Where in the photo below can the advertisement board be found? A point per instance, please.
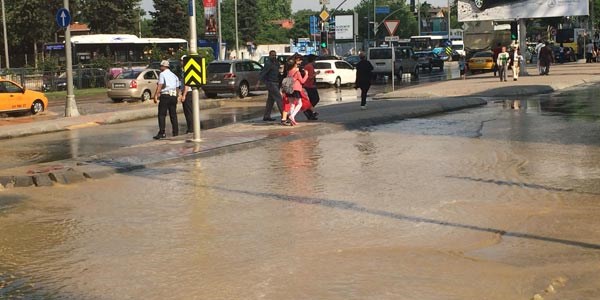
(482, 10)
(210, 18)
(344, 27)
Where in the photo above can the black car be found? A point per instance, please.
(485, 4)
(82, 79)
(429, 60)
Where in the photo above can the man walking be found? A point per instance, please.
(364, 73)
(495, 53)
(311, 87)
(167, 88)
(502, 63)
(546, 58)
(538, 48)
(270, 76)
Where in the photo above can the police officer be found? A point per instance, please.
(168, 89)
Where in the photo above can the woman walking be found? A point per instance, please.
(295, 97)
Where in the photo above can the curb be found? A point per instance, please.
(99, 168)
(64, 123)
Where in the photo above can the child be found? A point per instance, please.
(462, 66)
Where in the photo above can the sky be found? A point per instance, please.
(310, 4)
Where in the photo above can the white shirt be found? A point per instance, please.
(170, 81)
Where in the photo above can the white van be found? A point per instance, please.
(459, 47)
(405, 61)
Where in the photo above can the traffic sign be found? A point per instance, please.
(394, 38)
(324, 15)
(194, 70)
(392, 26)
(63, 18)
(382, 10)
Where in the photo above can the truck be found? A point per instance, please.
(484, 36)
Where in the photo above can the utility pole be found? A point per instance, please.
(71, 105)
(5, 38)
(193, 52)
(220, 39)
(237, 47)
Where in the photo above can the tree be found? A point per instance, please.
(170, 19)
(398, 11)
(247, 20)
(108, 16)
(302, 23)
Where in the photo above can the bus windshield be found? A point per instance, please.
(427, 42)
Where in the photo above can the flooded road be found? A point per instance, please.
(498, 202)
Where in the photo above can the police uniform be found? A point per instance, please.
(169, 83)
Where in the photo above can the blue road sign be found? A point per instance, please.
(382, 10)
(314, 25)
(63, 18)
(190, 8)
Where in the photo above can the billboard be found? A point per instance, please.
(482, 10)
(344, 27)
(210, 18)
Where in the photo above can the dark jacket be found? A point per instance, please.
(364, 73)
(270, 73)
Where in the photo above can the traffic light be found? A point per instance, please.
(323, 39)
(514, 32)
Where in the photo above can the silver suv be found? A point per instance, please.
(404, 59)
(232, 76)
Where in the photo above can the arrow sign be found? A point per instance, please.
(63, 18)
(392, 26)
(194, 70)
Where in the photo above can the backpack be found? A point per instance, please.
(287, 85)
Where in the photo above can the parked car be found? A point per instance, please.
(352, 59)
(404, 61)
(481, 61)
(133, 84)
(15, 98)
(429, 60)
(232, 76)
(82, 79)
(335, 72)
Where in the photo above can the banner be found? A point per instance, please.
(482, 10)
(210, 18)
(344, 27)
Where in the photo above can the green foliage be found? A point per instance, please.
(109, 16)
(170, 19)
(302, 23)
(101, 62)
(50, 64)
(247, 20)
(399, 11)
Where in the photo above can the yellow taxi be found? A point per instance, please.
(15, 98)
(481, 61)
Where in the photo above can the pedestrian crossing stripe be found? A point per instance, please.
(194, 70)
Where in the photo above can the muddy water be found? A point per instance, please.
(469, 205)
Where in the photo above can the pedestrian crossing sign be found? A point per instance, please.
(194, 70)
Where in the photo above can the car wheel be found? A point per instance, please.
(211, 95)
(243, 90)
(399, 74)
(415, 74)
(37, 107)
(116, 100)
(146, 95)
(338, 82)
(479, 3)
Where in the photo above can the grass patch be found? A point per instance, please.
(84, 93)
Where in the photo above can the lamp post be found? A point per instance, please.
(220, 39)
(5, 38)
(237, 47)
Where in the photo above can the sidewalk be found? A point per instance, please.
(409, 102)
(485, 85)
